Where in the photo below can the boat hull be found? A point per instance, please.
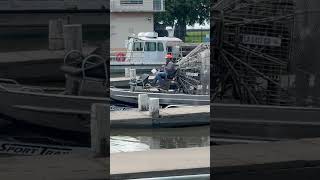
(126, 96)
(63, 112)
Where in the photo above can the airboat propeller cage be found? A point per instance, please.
(193, 74)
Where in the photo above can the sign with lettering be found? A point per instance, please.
(192, 74)
(261, 40)
(35, 149)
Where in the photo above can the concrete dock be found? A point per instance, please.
(294, 160)
(265, 121)
(170, 117)
(153, 163)
(80, 167)
(37, 65)
(158, 163)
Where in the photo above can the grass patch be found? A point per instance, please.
(196, 36)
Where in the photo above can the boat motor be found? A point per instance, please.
(141, 83)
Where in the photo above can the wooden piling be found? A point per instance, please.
(56, 39)
(126, 72)
(133, 74)
(72, 37)
(143, 102)
(205, 72)
(100, 129)
(154, 107)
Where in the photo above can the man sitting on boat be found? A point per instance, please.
(166, 72)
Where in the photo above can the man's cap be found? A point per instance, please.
(169, 56)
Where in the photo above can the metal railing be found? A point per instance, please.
(122, 57)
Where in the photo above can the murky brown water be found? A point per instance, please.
(127, 140)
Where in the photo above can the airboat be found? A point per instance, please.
(189, 86)
(61, 108)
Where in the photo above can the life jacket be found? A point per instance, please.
(120, 57)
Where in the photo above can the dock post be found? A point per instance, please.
(143, 102)
(100, 123)
(126, 72)
(72, 37)
(205, 71)
(133, 74)
(154, 107)
(56, 40)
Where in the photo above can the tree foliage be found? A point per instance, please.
(184, 12)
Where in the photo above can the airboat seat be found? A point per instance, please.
(172, 76)
(169, 81)
(144, 79)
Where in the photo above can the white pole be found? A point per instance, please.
(133, 74)
(143, 102)
(154, 107)
(127, 72)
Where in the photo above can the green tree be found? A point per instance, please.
(184, 12)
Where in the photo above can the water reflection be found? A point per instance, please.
(126, 144)
(124, 140)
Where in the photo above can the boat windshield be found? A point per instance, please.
(150, 46)
(160, 46)
(138, 46)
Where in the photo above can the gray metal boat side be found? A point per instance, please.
(127, 96)
(65, 112)
(86, 83)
